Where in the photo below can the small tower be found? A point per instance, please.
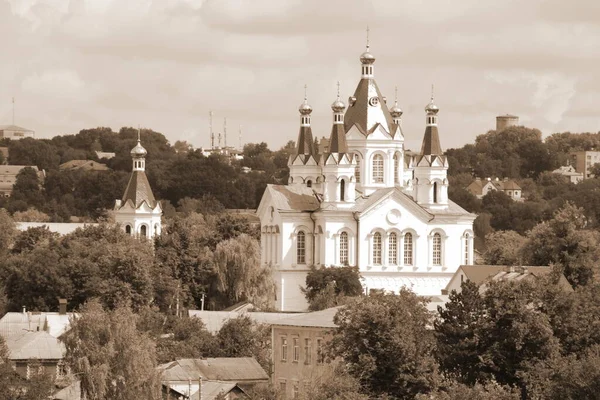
(138, 212)
(431, 166)
(396, 111)
(303, 165)
(338, 164)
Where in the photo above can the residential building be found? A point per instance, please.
(365, 203)
(214, 320)
(36, 349)
(87, 165)
(297, 350)
(570, 172)
(8, 177)
(481, 275)
(480, 188)
(138, 212)
(15, 132)
(583, 161)
(54, 323)
(105, 154)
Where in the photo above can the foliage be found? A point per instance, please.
(31, 215)
(242, 337)
(329, 286)
(8, 231)
(186, 338)
(110, 356)
(385, 342)
(457, 391)
(503, 248)
(333, 382)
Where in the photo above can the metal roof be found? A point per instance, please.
(317, 319)
(214, 320)
(337, 143)
(16, 323)
(305, 145)
(233, 369)
(363, 112)
(211, 389)
(431, 142)
(14, 128)
(35, 345)
(293, 198)
(138, 190)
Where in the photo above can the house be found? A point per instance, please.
(15, 132)
(53, 323)
(105, 154)
(212, 375)
(583, 161)
(8, 177)
(36, 349)
(87, 165)
(481, 275)
(297, 344)
(570, 172)
(480, 188)
(365, 202)
(209, 390)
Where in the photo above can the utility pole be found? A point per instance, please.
(212, 134)
(225, 131)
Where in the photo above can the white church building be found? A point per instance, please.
(365, 203)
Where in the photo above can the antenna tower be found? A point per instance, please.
(225, 131)
(212, 134)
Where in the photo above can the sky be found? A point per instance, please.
(164, 64)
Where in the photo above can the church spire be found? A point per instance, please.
(337, 141)
(367, 59)
(305, 140)
(431, 140)
(396, 111)
(138, 154)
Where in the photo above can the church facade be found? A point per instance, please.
(366, 202)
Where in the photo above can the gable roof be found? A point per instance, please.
(234, 369)
(317, 319)
(16, 323)
(293, 198)
(138, 190)
(13, 128)
(39, 345)
(211, 389)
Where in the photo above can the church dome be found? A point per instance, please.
(138, 150)
(367, 58)
(338, 105)
(396, 111)
(431, 108)
(304, 108)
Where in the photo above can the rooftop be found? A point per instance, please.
(35, 345)
(316, 319)
(214, 320)
(233, 369)
(16, 323)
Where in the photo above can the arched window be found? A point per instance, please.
(437, 249)
(143, 231)
(393, 249)
(467, 252)
(377, 248)
(344, 248)
(377, 168)
(301, 248)
(342, 190)
(357, 168)
(435, 194)
(128, 229)
(408, 249)
(309, 183)
(396, 167)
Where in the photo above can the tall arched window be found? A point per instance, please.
(357, 168)
(437, 249)
(143, 231)
(301, 248)
(342, 190)
(128, 229)
(377, 168)
(408, 249)
(435, 194)
(467, 252)
(344, 248)
(396, 167)
(393, 249)
(377, 248)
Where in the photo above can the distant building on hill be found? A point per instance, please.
(570, 172)
(230, 152)
(8, 177)
(480, 188)
(506, 121)
(87, 165)
(15, 132)
(583, 161)
(105, 154)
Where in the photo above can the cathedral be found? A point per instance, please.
(365, 202)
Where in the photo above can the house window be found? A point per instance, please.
(437, 249)
(344, 248)
(408, 249)
(377, 248)
(393, 249)
(128, 229)
(301, 248)
(467, 237)
(357, 168)
(296, 349)
(320, 355)
(377, 168)
(283, 349)
(282, 386)
(307, 351)
(295, 390)
(396, 167)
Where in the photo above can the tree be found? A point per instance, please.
(27, 188)
(503, 248)
(31, 215)
(8, 231)
(457, 391)
(240, 275)
(333, 383)
(113, 360)
(457, 327)
(328, 286)
(564, 243)
(242, 337)
(188, 339)
(385, 342)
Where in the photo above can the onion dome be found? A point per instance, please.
(396, 111)
(338, 105)
(304, 108)
(138, 150)
(367, 58)
(431, 108)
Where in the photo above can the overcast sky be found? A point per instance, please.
(164, 64)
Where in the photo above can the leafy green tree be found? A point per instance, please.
(240, 275)
(333, 382)
(8, 231)
(186, 338)
(385, 342)
(503, 248)
(34, 152)
(31, 238)
(31, 215)
(242, 337)
(457, 391)
(27, 188)
(457, 329)
(329, 286)
(110, 356)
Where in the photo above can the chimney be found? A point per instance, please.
(24, 310)
(62, 306)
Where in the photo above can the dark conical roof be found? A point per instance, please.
(337, 140)
(367, 108)
(138, 190)
(431, 142)
(305, 145)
